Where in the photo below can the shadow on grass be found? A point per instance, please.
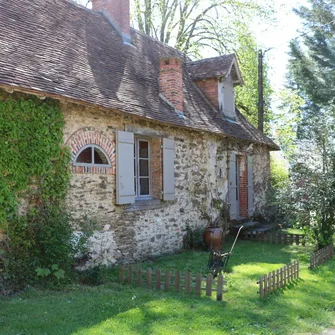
(302, 307)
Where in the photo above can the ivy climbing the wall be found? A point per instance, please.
(37, 237)
(34, 164)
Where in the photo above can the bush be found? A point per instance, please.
(193, 239)
(41, 248)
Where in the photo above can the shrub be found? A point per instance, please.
(41, 247)
(193, 239)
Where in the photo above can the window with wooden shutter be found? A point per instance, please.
(250, 187)
(125, 192)
(233, 186)
(168, 169)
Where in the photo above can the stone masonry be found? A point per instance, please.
(150, 228)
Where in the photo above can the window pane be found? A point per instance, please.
(144, 149)
(99, 157)
(85, 156)
(144, 168)
(144, 186)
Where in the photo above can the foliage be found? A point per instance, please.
(37, 236)
(42, 247)
(287, 119)
(93, 276)
(313, 196)
(193, 238)
(279, 173)
(34, 165)
(306, 307)
(247, 95)
(313, 165)
(190, 25)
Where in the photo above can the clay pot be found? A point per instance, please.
(214, 237)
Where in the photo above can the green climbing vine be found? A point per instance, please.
(34, 164)
(36, 244)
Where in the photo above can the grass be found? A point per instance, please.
(304, 307)
(293, 231)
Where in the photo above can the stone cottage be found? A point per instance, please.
(156, 139)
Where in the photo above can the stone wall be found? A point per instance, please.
(150, 228)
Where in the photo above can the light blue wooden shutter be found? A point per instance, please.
(232, 186)
(125, 191)
(250, 187)
(168, 169)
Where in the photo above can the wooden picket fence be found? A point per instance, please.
(278, 278)
(275, 237)
(321, 256)
(172, 281)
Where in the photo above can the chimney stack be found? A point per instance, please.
(118, 13)
(171, 81)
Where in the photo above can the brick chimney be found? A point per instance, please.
(118, 13)
(171, 81)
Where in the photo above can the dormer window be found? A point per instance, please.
(227, 97)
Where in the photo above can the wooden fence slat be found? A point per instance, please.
(139, 277)
(130, 274)
(261, 287)
(198, 284)
(278, 278)
(321, 256)
(188, 280)
(121, 274)
(220, 288)
(158, 279)
(148, 278)
(177, 281)
(167, 280)
(209, 285)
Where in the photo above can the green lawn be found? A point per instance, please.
(305, 307)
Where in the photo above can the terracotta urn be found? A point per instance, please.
(214, 237)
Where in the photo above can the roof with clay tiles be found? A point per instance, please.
(58, 48)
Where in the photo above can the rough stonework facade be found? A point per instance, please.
(156, 141)
(154, 227)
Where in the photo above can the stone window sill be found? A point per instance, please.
(143, 205)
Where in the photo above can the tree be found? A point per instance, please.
(189, 25)
(312, 76)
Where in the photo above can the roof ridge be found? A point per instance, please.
(211, 58)
(153, 39)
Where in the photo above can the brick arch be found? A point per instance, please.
(86, 136)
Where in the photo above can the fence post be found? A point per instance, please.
(139, 277)
(148, 278)
(158, 279)
(121, 274)
(261, 287)
(130, 274)
(285, 274)
(167, 280)
(209, 284)
(198, 284)
(188, 279)
(178, 281)
(219, 288)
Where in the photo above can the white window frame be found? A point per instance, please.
(137, 167)
(93, 146)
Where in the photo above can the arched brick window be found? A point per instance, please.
(92, 152)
